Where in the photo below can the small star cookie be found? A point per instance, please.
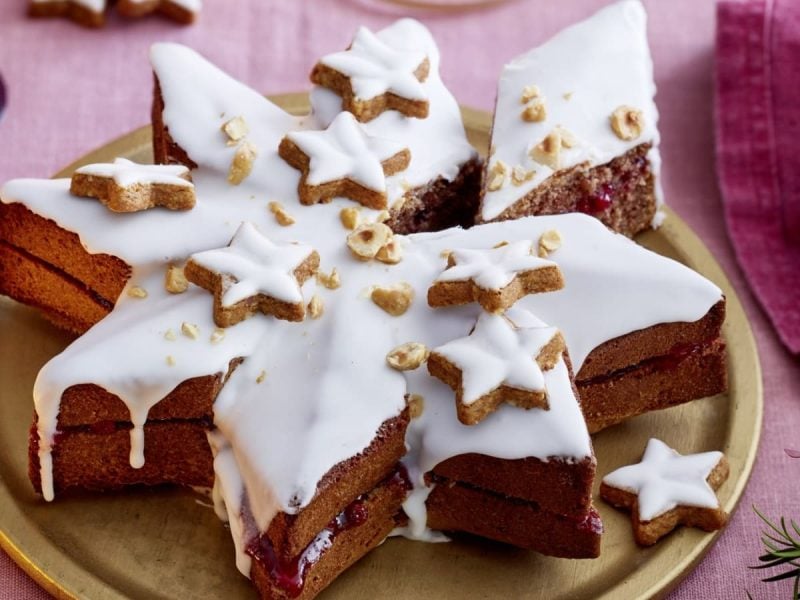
(494, 278)
(89, 13)
(667, 489)
(254, 274)
(182, 11)
(124, 186)
(372, 77)
(497, 362)
(343, 161)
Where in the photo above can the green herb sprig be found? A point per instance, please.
(783, 551)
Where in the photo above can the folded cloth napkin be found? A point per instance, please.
(758, 149)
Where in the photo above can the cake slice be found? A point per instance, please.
(575, 127)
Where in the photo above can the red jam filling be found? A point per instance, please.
(290, 575)
(591, 523)
(598, 201)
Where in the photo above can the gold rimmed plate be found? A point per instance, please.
(167, 543)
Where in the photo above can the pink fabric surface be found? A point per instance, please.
(71, 90)
(758, 131)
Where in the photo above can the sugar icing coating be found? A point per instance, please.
(375, 67)
(583, 73)
(496, 353)
(344, 151)
(665, 479)
(126, 173)
(257, 266)
(493, 268)
(326, 387)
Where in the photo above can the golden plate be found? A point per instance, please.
(167, 543)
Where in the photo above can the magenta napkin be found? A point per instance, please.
(758, 149)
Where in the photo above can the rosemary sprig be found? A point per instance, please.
(783, 550)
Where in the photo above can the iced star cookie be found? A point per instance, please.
(182, 11)
(124, 186)
(372, 76)
(667, 489)
(497, 362)
(254, 274)
(343, 161)
(89, 13)
(495, 278)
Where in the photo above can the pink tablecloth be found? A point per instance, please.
(71, 90)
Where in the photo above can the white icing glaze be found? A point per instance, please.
(493, 268)
(600, 64)
(665, 479)
(256, 265)
(344, 151)
(375, 67)
(126, 173)
(327, 388)
(95, 6)
(497, 353)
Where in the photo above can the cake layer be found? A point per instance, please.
(556, 485)
(440, 204)
(620, 193)
(86, 404)
(288, 534)
(66, 302)
(658, 340)
(44, 239)
(691, 372)
(97, 457)
(455, 506)
(361, 526)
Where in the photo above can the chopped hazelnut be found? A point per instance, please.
(529, 92)
(383, 216)
(390, 253)
(261, 377)
(500, 244)
(316, 307)
(331, 281)
(520, 175)
(416, 405)
(394, 299)
(408, 356)
(137, 292)
(567, 95)
(217, 335)
(175, 281)
(548, 151)
(236, 129)
(171, 360)
(497, 176)
(550, 241)
(281, 216)
(242, 163)
(350, 217)
(169, 335)
(368, 239)
(535, 112)
(627, 123)
(567, 139)
(190, 330)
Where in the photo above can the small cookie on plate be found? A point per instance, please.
(125, 186)
(252, 275)
(89, 13)
(667, 489)
(495, 278)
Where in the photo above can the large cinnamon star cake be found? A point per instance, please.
(303, 314)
